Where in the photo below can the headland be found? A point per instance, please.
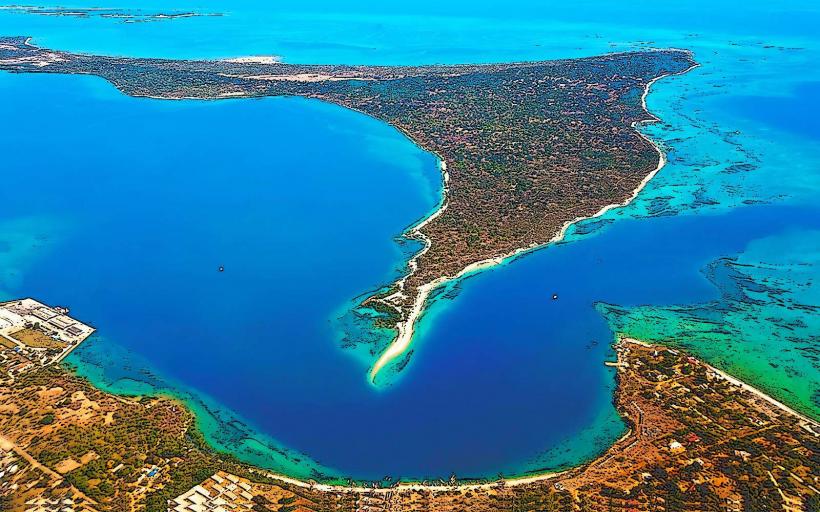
(525, 148)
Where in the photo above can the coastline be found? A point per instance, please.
(415, 486)
(410, 308)
(207, 413)
(406, 328)
(199, 408)
(560, 235)
(732, 380)
(539, 477)
(644, 412)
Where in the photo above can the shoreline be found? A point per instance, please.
(204, 409)
(727, 377)
(361, 486)
(406, 329)
(635, 378)
(500, 259)
(538, 477)
(196, 407)
(414, 485)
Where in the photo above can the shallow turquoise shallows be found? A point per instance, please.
(124, 209)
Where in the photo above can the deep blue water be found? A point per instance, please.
(124, 209)
(796, 111)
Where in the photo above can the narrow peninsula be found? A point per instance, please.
(525, 148)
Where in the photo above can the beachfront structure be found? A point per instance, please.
(41, 333)
(222, 492)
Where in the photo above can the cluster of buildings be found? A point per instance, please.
(222, 492)
(36, 490)
(40, 334)
(9, 466)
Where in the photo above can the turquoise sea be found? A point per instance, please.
(123, 209)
